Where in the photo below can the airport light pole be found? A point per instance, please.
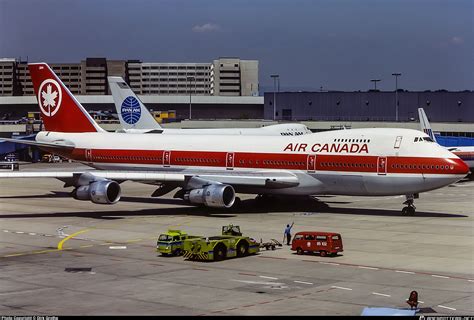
(375, 82)
(190, 90)
(396, 94)
(275, 77)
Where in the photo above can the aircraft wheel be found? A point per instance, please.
(322, 253)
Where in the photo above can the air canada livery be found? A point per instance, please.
(135, 118)
(209, 170)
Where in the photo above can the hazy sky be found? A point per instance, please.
(339, 45)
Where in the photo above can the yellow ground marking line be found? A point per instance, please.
(61, 243)
(14, 255)
(61, 246)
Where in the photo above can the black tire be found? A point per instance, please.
(242, 248)
(220, 252)
(408, 211)
(322, 253)
(299, 251)
(177, 252)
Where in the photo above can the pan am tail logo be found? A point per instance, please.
(131, 110)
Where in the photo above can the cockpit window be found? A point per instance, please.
(420, 139)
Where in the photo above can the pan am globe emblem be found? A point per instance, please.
(131, 110)
(49, 97)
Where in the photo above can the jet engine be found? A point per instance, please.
(101, 191)
(213, 195)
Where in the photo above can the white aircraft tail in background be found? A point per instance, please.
(425, 124)
(136, 118)
(131, 111)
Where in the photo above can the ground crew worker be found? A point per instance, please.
(288, 233)
(413, 300)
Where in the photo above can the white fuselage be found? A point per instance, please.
(351, 162)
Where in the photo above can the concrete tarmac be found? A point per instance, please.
(61, 256)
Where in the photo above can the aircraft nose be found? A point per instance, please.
(460, 167)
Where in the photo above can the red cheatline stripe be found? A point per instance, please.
(324, 162)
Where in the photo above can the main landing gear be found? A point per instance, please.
(409, 210)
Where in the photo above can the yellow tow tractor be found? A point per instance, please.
(230, 244)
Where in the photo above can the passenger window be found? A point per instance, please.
(335, 237)
(321, 237)
(298, 237)
(309, 237)
(176, 238)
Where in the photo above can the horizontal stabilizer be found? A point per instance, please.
(60, 144)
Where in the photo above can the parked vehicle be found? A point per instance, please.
(11, 157)
(326, 243)
(228, 245)
(51, 158)
(172, 242)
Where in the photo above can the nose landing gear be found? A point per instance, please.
(409, 210)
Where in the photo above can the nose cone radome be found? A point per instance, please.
(460, 167)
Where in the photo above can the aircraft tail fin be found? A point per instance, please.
(425, 124)
(131, 111)
(60, 110)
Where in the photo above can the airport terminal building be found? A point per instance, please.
(221, 77)
(441, 105)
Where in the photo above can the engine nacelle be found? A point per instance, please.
(102, 192)
(214, 195)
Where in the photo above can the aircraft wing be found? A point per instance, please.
(60, 144)
(274, 180)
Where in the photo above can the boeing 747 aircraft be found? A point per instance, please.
(210, 170)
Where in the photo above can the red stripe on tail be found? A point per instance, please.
(60, 111)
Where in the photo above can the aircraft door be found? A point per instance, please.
(311, 163)
(398, 142)
(88, 155)
(230, 161)
(166, 158)
(382, 165)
